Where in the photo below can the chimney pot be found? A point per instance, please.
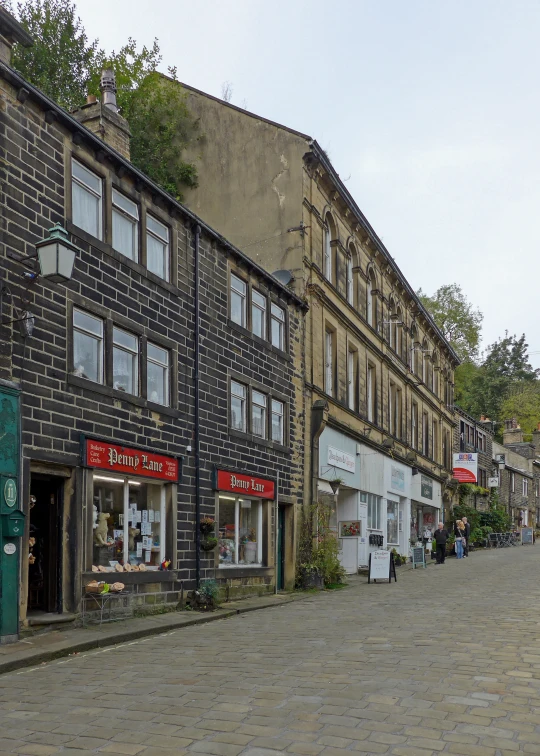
(91, 99)
(108, 89)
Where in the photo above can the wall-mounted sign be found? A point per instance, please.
(397, 479)
(9, 548)
(426, 487)
(466, 467)
(350, 529)
(123, 459)
(493, 482)
(246, 485)
(10, 492)
(338, 458)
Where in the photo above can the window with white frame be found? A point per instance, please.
(136, 521)
(512, 482)
(240, 531)
(525, 487)
(350, 281)
(157, 248)
(238, 406)
(329, 362)
(352, 379)
(258, 413)
(258, 314)
(238, 300)
(374, 512)
(278, 421)
(125, 361)
(125, 226)
(86, 200)
(87, 346)
(371, 393)
(277, 326)
(392, 519)
(157, 374)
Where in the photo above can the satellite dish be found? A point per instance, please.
(283, 276)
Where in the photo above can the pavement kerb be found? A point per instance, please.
(112, 634)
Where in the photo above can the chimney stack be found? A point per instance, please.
(11, 32)
(536, 439)
(103, 118)
(512, 432)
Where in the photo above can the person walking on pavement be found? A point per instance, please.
(441, 537)
(467, 535)
(459, 532)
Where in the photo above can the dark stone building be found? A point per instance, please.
(119, 392)
(475, 437)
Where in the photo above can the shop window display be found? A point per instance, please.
(240, 531)
(129, 522)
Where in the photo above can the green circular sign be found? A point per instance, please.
(10, 492)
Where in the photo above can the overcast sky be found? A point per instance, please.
(429, 110)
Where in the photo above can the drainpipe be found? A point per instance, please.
(197, 233)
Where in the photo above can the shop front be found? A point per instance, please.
(129, 523)
(247, 516)
(398, 481)
(426, 509)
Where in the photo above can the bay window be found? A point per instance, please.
(125, 225)
(87, 346)
(86, 200)
(240, 535)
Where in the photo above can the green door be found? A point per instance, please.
(10, 502)
(281, 549)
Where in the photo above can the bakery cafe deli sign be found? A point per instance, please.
(124, 459)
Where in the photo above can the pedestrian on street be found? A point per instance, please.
(441, 537)
(467, 536)
(459, 532)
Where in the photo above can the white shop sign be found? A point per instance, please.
(338, 458)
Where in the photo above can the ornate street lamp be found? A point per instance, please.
(56, 255)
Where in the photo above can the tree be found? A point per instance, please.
(62, 58)
(67, 66)
(455, 316)
(523, 403)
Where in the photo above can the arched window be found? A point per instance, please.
(352, 263)
(425, 362)
(328, 252)
(399, 333)
(372, 299)
(415, 361)
(435, 374)
(392, 329)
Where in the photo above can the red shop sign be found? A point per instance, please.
(123, 459)
(238, 483)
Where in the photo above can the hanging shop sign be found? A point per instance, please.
(397, 479)
(426, 487)
(466, 467)
(124, 459)
(246, 485)
(493, 482)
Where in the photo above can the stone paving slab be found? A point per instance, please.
(444, 661)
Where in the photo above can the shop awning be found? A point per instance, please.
(323, 486)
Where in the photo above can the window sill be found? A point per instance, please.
(258, 441)
(138, 401)
(243, 570)
(108, 250)
(131, 578)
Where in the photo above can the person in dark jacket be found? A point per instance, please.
(441, 537)
(467, 534)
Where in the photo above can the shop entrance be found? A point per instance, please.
(281, 549)
(45, 547)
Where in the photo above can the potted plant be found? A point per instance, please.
(335, 484)
(207, 525)
(210, 543)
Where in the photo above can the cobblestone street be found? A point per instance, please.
(446, 660)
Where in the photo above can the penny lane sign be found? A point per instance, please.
(241, 484)
(124, 459)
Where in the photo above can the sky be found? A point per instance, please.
(429, 110)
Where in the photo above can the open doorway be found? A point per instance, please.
(44, 569)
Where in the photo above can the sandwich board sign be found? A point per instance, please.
(418, 557)
(527, 535)
(381, 566)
